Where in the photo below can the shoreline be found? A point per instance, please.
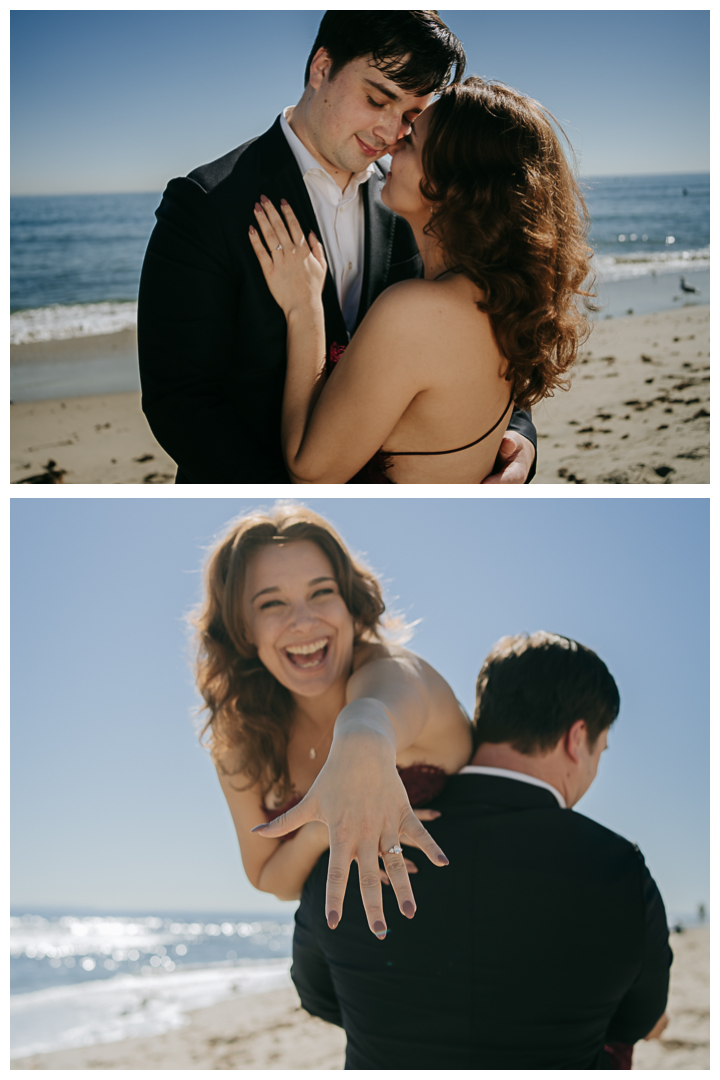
(638, 411)
(271, 1031)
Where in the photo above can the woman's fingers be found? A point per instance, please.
(277, 223)
(267, 229)
(427, 815)
(338, 870)
(285, 230)
(413, 833)
(261, 251)
(397, 871)
(287, 822)
(409, 866)
(293, 225)
(369, 875)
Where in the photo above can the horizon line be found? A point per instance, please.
(154, 191)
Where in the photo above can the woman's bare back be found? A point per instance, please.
(465, 394)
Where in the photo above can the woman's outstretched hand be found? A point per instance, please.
(294, 267)
(360, 797)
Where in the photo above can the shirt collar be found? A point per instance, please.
(307, 162)
(510, 774)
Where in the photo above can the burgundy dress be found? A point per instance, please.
(376, 469)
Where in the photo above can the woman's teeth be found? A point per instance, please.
(308, 656)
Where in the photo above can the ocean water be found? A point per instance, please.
(649, 224)
(77, 979)
(647, 233)
(76, 261)
(78, 249)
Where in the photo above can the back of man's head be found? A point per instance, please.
(533, 687)
(413, 48)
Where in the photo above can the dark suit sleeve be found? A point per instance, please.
(310, 971)
(646, 1000)
(187, 314)
(521, 421)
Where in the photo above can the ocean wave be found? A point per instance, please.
(131, 1005)
(617, 267)
(60, 322)
(119, 937)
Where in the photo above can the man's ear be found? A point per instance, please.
(576, 741)
(320, 68)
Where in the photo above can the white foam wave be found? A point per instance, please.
(59, 322)
(127, 1006)
(642, 264)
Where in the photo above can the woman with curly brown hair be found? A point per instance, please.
(423, 392)
(316, 722)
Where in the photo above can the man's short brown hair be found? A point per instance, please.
(533, 687)
(413, 48)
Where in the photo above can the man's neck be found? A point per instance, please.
(547, 767)
(296, 119)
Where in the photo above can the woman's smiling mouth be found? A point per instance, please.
(308, 656)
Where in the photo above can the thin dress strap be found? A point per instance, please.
(431, 453)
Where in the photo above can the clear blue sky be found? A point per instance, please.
(116, 807)
(111, 101)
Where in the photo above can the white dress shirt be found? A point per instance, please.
(510, 774)
(341, 217)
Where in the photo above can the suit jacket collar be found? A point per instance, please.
(379, 232)
(281, 175)
(496, 791)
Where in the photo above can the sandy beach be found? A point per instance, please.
(271, 1031)
(637, 412)
(89, 440)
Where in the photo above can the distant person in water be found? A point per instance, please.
(544, 945)
(212, 340)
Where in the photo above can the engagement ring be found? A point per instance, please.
(397, 850)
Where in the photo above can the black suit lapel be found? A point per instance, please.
(379, 232)
(283, 180)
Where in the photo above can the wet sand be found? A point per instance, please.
(271, 1031)
(96, 364)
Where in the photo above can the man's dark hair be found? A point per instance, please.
(413, 48)
(533, 687)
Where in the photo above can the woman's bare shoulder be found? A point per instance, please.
(368, 651)
(409, 297)
(417, 315)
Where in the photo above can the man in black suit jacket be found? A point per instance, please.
(544, 943)
(211, 339)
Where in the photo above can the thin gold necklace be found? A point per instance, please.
(313, 752)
